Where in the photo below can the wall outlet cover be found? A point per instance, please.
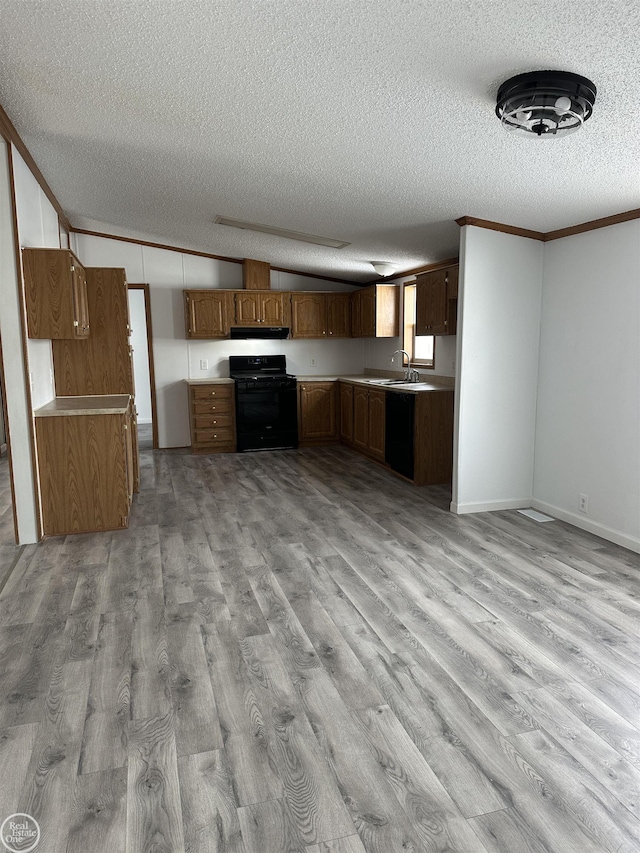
(204, 364)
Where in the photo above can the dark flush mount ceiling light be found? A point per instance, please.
(545, 103)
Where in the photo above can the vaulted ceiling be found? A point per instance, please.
(367, 122)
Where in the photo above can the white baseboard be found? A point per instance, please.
(608, 533)
(489, 506)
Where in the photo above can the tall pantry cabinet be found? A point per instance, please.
(102, 363)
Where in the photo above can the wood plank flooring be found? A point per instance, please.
(298, 651)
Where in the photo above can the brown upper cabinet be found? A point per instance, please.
(102, 364)
(55, 293)
(320, 315)
(437, 302)
(209, 313)
(256, 275)
(258, 307)
(374, 311)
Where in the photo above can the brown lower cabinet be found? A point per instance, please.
(368, 421)
(317, 413)
(363, 427)
(86, 463)
(346, 412)
(212, 417)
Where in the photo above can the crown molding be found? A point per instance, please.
(499, 226)
(616, 219)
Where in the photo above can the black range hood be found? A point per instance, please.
(262, 333)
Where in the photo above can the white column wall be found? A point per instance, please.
(588, 423)
(168, 273)
(497, 358)
(18, 411)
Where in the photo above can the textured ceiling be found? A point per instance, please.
(370, 122)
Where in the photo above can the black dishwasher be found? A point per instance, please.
(398, 448)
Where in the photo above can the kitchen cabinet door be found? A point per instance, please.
(247, 308)
(361, 417)
(338, 315)
(272, 310)
(208, 313)
(55, 294)
(317, 411)
(375, 312)
(308, 315)
(100, 364)
(254, 308)
(436, 302)
(346, 412)
(376, 424)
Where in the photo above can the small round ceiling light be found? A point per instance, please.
(383, 268)
(545, 103)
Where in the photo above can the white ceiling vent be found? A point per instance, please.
(281, 232)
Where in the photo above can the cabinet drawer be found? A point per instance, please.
(213, 421)
(212, 392)
(213, 436)
(205, 407)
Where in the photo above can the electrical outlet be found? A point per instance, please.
(392, 360)
(583, 504)
(204, 364)
(313, 361)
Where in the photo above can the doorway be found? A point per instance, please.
(143, 371)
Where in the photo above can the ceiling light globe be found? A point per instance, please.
(382, 268)
(563, 104)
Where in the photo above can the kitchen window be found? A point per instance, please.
(421, 348)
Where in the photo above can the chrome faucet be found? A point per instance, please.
(410, 374)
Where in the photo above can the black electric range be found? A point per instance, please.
(266, 402)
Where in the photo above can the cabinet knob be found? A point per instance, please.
(324, 333)
(215, 435)
(213, 393)
(215, 422)
(76, 323)
(213, 408)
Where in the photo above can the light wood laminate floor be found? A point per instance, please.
(298, 651)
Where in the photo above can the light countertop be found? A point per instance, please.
(371, 381)
(110, 404)
(214, 380)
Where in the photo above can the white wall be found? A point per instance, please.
(18, 410)
(588, 423)
(497, 356)
(175, 358)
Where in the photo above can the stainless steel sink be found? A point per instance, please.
(388, 381)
